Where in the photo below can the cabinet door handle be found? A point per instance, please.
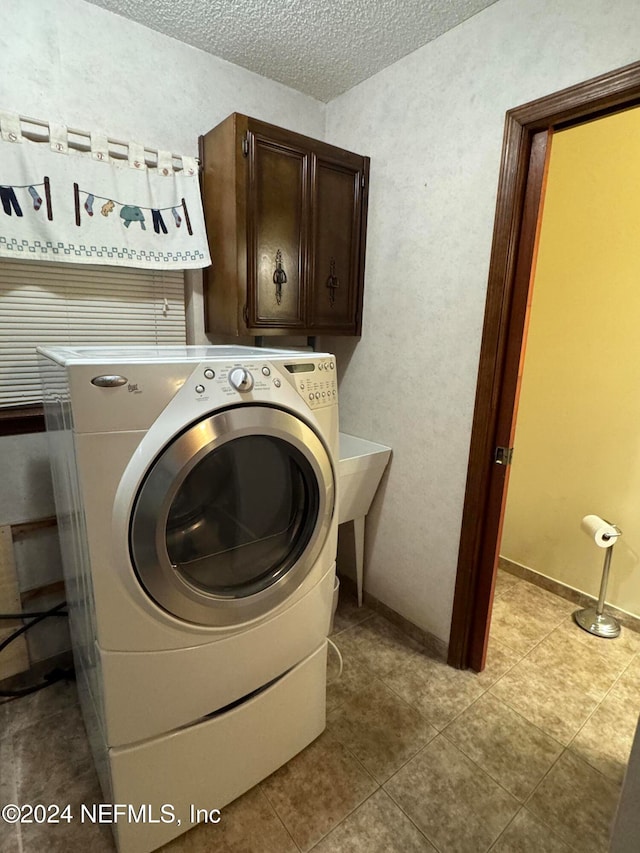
(333, 282)
(279, 277)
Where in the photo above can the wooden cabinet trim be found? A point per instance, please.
(255, 170)
(323, 149)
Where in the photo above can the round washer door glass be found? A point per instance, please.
(232, 514)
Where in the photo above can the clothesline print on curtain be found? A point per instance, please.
(99, 212)
(130, 212)
(11, 205)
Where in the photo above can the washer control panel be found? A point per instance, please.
(314, 379)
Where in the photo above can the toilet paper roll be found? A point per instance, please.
(604, 534)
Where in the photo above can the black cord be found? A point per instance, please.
(50, 678)
(25, 615)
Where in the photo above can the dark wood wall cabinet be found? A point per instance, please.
(286, 218)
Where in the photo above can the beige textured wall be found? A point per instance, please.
(578, 429)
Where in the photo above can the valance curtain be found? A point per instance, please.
(124, 229)
(59, 204)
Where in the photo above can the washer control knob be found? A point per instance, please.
(200, 389)
(241, 379)
(209, 374)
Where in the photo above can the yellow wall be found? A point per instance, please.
(577, 444)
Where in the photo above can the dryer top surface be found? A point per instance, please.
(167, 354)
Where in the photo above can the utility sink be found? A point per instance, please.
(361, 467)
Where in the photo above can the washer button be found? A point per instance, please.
(209, 374)
(266, 371)
(311, 396)
(277, 383)
(200, 389)
(331, 365)
(317, 395)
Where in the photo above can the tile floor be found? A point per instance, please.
(416, 757)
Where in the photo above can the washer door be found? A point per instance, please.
(232, 515)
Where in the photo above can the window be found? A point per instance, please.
(61, 304)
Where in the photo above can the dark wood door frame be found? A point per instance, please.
(520, 190)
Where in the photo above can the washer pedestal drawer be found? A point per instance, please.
(211, 763)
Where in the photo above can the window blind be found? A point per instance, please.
(60, 304)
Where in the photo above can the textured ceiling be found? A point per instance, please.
(320, 47)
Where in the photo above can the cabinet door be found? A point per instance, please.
(335, 292)
(277, 202)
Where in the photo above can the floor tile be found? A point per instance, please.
(526, 834)
(378, 645)
(377, 826)
(9, 833)
(47, 765)
(524, 615)
(577, 803)
(436, 690)
(380, 729)
(605, 740)
(500, 659)
(628, 684)
(9, 839)
(348, 613)
(457, 806)
(351, 682)
(75, 836)
(248, 825)
(618, 650)
(541, 598)
(27, 710)
(583, 666)
(504, 581)
(542, 697)
(511, 750)
(317, 789)
(558, 685)
(8, 788)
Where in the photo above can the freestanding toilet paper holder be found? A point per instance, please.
(594, 619)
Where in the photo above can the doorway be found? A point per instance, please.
(520, 190)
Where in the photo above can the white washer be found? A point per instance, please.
(196, 496)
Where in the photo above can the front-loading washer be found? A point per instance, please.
(196, 496)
